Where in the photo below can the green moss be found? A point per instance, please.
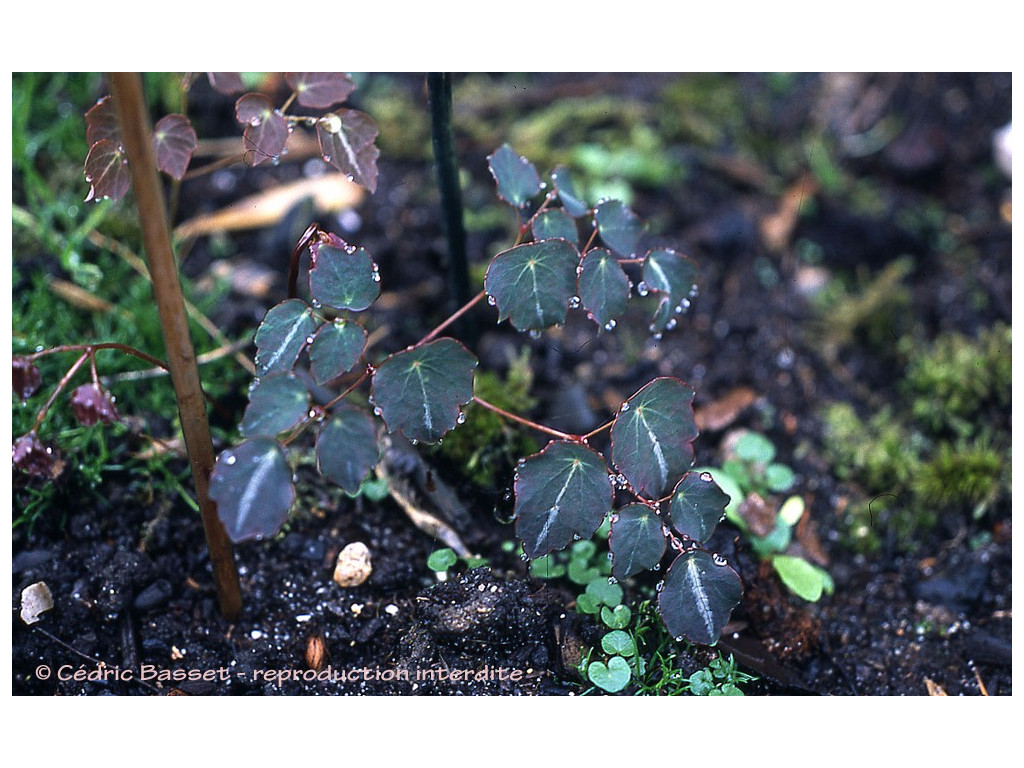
(955, 378)
(943, 447)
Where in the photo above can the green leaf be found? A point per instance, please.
(421, 390)
(604, 592)
(347, 449)
(556, 223)
(561, 492)
(792, 510)
(277, 404)
(603, 287)
(697, 597)
(581, 572)
(515, 176)
(342, 278)
(779, 478)
(546, 568)
(441, 560)
(611, 677)
(802, 578)
(671, 274)
(573, 204)
(652, 436)
(252, 486)
(637, 541)
(335, 350)
(282, 335)
(731, 488)
(617, 617)
(619, 227)
(533, 283)
(755, 448)
(588, 604)
(697, 505)
(618, 642)
(667, 271)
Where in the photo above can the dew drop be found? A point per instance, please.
(621, 480)
(657, 567)
(534, 333)
(693, 291)
(255, 121)
(610, 325)
(461, 418)
(719, 560)
(574, 302)
(624, 407)
(671, 324)
(327, 158)
(613, 480)
(312, 413)
(309, 339)
(377, 411)
(524, 557)
(575, 537)
(376, 277)
(658, 337)
(316, 304)
(350, 177)
(679, 638)
(642, 288)
(370, 399)
(660, 586)
(612, 580)
(414, 441)
(492, 301)
(706, 477)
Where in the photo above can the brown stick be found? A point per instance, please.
(137, 138)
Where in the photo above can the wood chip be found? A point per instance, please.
(330, 192)
(777, 228)
(758, 514)
(353, 566)
(934, 689)
(77, 296)
(720, 413)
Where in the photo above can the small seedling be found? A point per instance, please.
(441, 561)
(749, 477)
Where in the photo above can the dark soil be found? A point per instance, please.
(132, 586)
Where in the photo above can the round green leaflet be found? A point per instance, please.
(561, 492)
(611, 677)
(603, 287)
(344, 279)
(421, 390)
(336, 349)
(278, 403)
(670, 272)
(556, 223)
(637, 541)
(346, 448)
(252, 486)
(698, 505)
(698, 596)
(282, 335)
(619, 227)
(515, 176)
(533, 283)
(652, 436)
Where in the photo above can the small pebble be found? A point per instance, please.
(353, 566)
(35, 599)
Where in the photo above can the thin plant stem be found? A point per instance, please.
(458, 313)
(525, 422)
(136, 132)
(59, 388)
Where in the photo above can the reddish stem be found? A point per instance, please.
(349, 390)
(458, 313)
(60, 388)
(96, 347)
(597, 431)
(526, 422)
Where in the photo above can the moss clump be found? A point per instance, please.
(943, 448)
(486, 445)
(957, 377)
